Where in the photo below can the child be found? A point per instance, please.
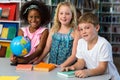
(93, 52)
(37, 15)
(63, 37)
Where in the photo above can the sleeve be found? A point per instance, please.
(106, 52)
(79, 50)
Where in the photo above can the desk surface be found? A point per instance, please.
(7, 70)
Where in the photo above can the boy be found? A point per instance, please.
(93, 52)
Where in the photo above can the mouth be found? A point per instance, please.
(85, 35)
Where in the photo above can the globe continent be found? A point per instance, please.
(20, 46)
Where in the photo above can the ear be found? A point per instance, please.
(97, 27)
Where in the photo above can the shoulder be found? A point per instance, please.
(51, 32)
(103, 42)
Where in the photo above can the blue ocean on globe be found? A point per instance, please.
(20, 46)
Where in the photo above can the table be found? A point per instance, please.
(7, 70)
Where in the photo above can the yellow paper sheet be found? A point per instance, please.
(9, 77)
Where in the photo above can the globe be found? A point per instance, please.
(20, 46)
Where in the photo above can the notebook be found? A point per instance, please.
(27, 67)
(67, 73)
(44, 67)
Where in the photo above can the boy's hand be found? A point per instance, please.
(82, 73)
(67, 68)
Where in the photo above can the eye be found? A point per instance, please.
(80, 29)
(87, 27)
(60, 13)
(30, 16)
(37, 16)
(67, 13)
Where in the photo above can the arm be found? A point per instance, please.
(46, 49)
(92, 72)
(80, 64)
(41, 45)
(39, 49)
(72, 58)
(13, 58)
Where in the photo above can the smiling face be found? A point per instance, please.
(64, 15)
(88, 31)
(34, 18)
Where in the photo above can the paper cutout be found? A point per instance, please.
(9, 77)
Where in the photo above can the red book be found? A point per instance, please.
(24, 67)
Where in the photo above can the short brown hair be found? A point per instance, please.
(89, 18)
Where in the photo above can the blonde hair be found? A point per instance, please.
(56, 25)
(89, 18)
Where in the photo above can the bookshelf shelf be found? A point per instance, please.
(9, 22)
(109, 17)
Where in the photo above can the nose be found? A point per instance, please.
(33, 19)
(64, 15)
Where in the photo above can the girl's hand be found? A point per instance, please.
(22, 60)
(82, 73)
(33, 61)
(67, 68)
(36, 61)
(13, 59)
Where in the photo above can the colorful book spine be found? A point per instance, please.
(1, 26)
(4, 33)
(11, 32)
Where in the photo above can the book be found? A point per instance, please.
(4, 33)
(42, 66)
(5, 13)
(27, 67)
(2, 51)
(9, 11)
(8, 52)
(1, 26)
(11, 32)
(0, 12)
(67, 73)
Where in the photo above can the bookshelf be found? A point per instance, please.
(109, 16)
(82, 5)
(9, 24)
(12, 17)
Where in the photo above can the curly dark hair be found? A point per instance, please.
(42, 8)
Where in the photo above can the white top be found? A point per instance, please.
(102, 51)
